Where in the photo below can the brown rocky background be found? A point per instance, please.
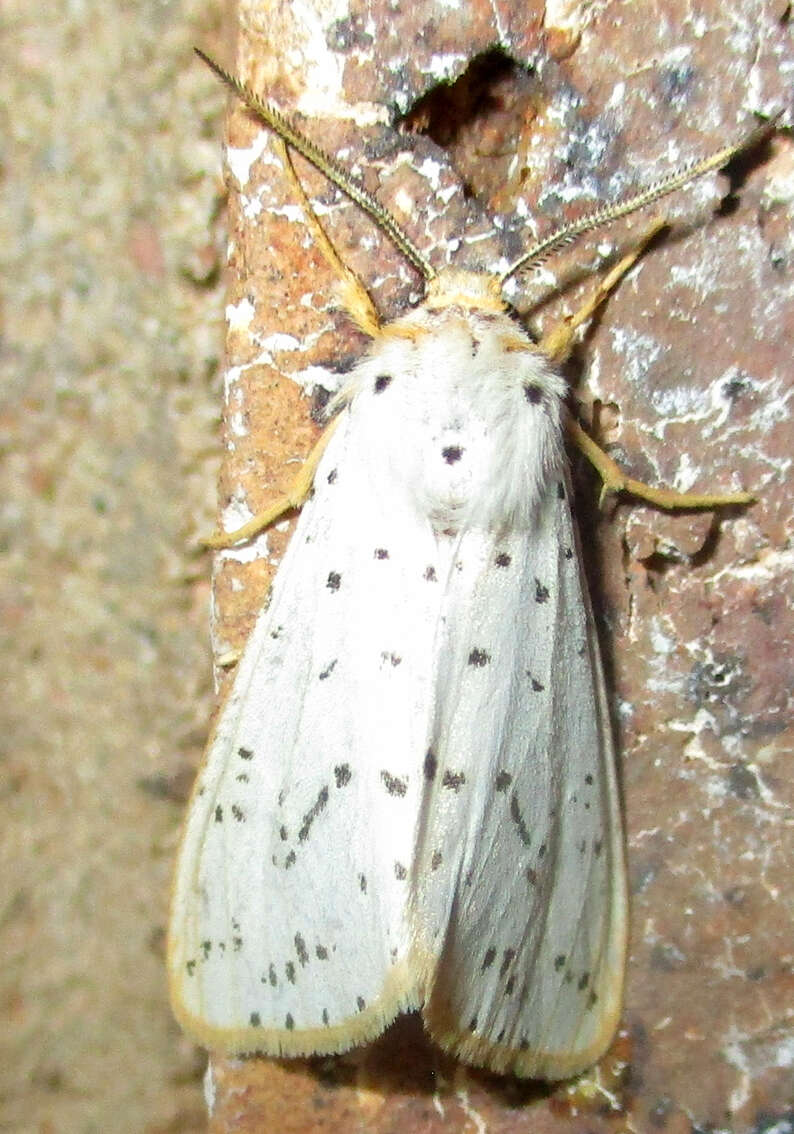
(113, 248)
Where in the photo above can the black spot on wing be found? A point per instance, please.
(393, 784)
(541, 592)
(503, 559)
(508, 957)
(400, 873)
(301, 951)
(238, 813)
(255, 1020)
(488, 959)
(503, 781)
(478, 657)
(316, 809)
(245, 753)
(334, 581)
(453, 780)
(289, 969)
(289, 1023)
(321, 952)
(381, 553)
(342, 775)
(218, 814)
(381, 382)
(436, 860)
(331, 478)
(518, 820)
(430, 765)
(430, 574)
(329, 669)
(361, 1003)
(561, 490)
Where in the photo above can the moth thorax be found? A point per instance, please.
(485, 414)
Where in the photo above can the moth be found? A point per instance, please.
(409, 800)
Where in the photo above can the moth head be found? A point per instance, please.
(472, 290)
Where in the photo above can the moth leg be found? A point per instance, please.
(557, 344)
(615, 480)
(355, 297)
(293, 499)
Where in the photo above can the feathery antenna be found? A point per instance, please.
(550, 244)
(326, 165)
(542, 249)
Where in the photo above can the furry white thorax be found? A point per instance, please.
(460, 407)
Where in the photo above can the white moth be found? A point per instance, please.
(410, 799)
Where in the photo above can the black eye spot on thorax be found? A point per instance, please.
(533, 393)
(452, 454)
